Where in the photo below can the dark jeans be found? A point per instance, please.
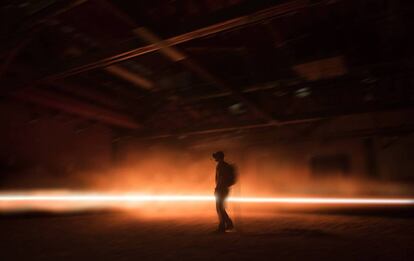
(224, 219)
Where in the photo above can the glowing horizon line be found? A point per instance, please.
(199, 198)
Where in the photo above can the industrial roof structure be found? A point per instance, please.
(165, 68)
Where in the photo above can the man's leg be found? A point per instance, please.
(220, 211)
(226, 219)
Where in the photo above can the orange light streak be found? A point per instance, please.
(113, 198)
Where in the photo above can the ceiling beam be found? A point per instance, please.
(130, 76)
(176, 55)
(55, 101)
(31, 27)
(228, 129)
(289, 7)
(326, 115)
(249, 89)
(89, 93)
(363, 133)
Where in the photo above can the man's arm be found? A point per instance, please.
(219, 178)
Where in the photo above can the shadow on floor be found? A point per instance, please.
(50, 214)
(293, 232)
(406, 212)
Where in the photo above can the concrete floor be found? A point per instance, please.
(332, 235)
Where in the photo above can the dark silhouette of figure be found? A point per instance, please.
(223, 171)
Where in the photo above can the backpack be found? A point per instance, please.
(231, 175)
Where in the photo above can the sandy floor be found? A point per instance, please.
(271, 236)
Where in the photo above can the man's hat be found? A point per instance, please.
(218, 155)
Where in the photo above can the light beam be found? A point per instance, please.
(103, 197)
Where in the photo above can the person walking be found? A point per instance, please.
(225, 178)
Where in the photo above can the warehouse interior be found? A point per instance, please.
(309, 98)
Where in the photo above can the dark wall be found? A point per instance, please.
(35, 141)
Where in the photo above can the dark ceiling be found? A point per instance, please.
(160, 68)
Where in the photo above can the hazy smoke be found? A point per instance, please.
(277, 171)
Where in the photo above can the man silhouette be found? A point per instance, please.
(223, 174)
